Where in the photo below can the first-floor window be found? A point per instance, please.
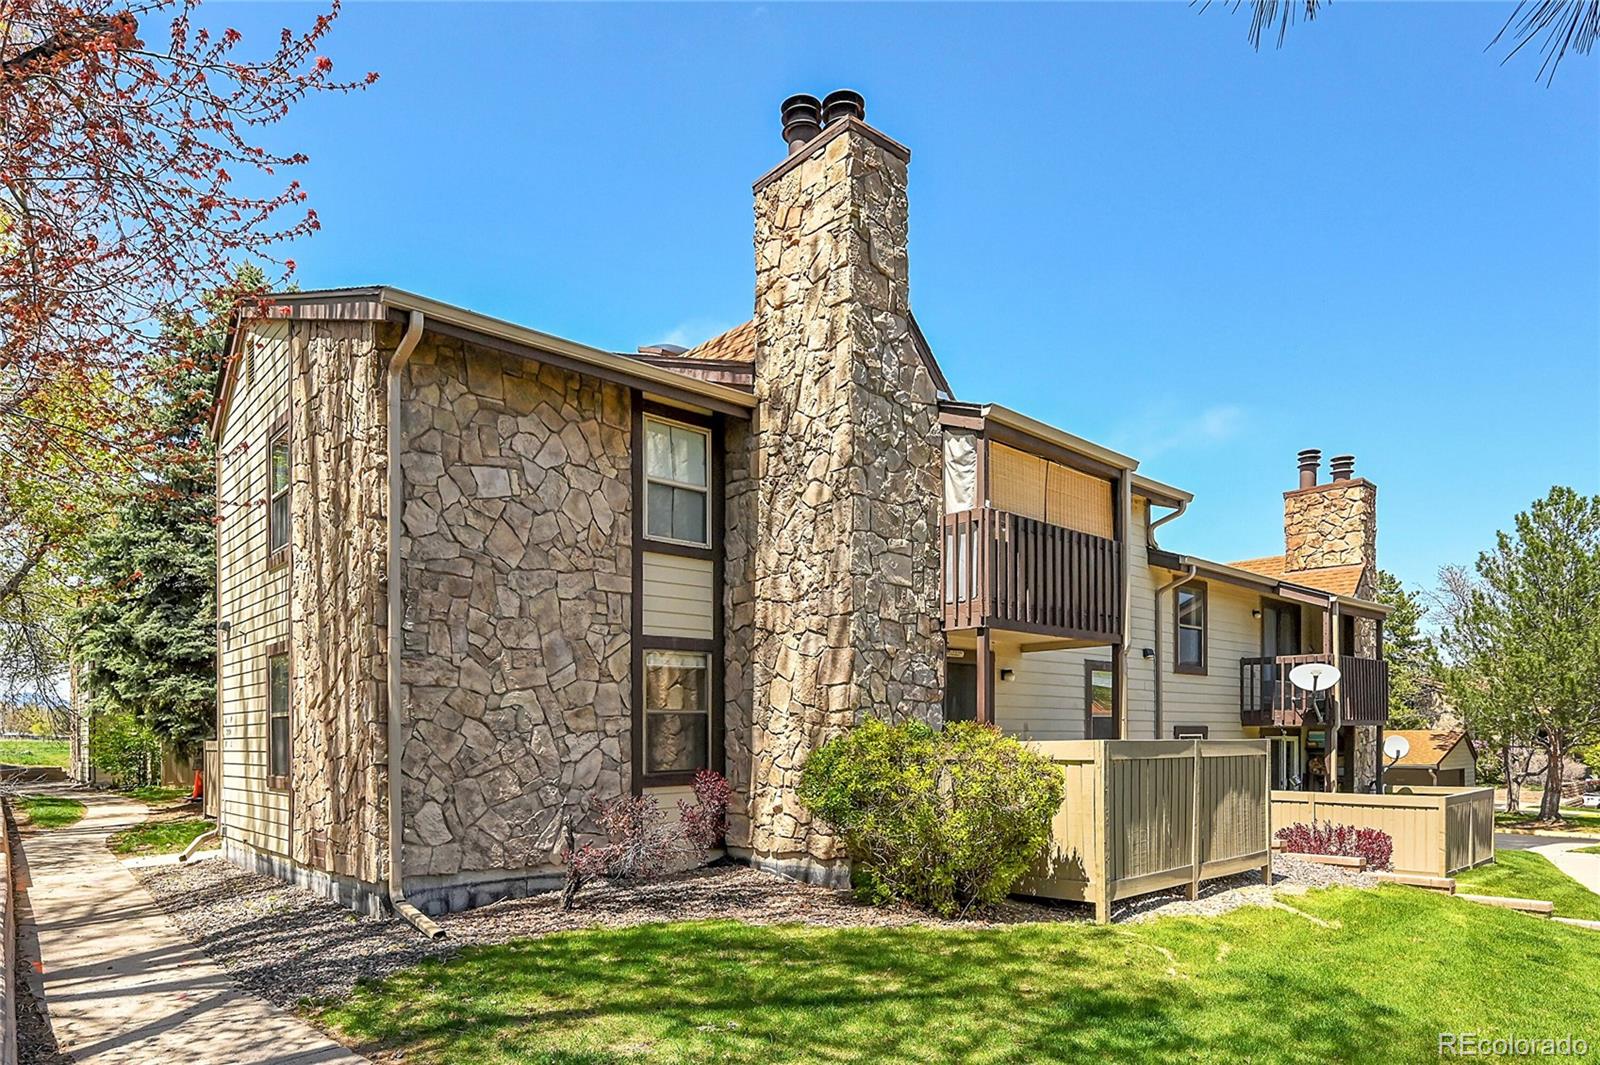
(278, 718)
(677, 711)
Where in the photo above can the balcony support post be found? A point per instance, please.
(985, 678)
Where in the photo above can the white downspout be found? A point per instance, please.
(1188, 575)
(395, 730)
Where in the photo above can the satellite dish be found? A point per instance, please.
(1395, 747)
(1314, 676)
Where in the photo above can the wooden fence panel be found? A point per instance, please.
(1144, 815)
(211, 779)
(1436, 831)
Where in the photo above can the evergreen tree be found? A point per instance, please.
(147, 634)
(1524, 637)
(1413, 659)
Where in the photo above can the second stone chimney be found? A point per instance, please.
(845, 541)
(1331, 524)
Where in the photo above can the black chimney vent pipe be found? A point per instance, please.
(843, 103)
(802, 120)
(1343, 467)
(1310, 460)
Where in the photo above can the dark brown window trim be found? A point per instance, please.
(1090, 668)
(279, 430)
(1191, 732)
(709, 427)
(278, 782)
(1178, 666)
(641, 642)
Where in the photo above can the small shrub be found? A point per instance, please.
(638, 845)
(942, 819)
(705, 822)
(1373, 844)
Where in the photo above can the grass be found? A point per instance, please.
(1525, 875)
(1373, 978)
(1582, 821)
(158, 837)
(50, 811)
(153, 794)
(1595, 849)
(35, 752)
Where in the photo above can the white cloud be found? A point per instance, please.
(1169, 428)
(692, 331)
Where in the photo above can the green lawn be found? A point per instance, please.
(35, 752)
(151, 793)
(1525, 875)
(1576, 819)
(49, 811)
(158, 837)
(1587, 850)
(1375, 978)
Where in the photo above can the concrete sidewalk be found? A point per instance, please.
(122, 985)
(1584, 868)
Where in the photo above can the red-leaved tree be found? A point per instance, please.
(131, 187)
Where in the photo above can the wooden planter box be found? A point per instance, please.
(1436, 831)
(1145, 815)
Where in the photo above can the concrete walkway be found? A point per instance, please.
(1584, 868)
(122, 985)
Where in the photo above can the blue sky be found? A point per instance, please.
(1123, 220)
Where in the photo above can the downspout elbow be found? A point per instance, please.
(1150, 530)
(394, 727)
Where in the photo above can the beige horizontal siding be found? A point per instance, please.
(678, 598)
(251, 600)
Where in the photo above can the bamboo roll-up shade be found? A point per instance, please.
(1037, 488)
(1079, 501)
(1016, 481)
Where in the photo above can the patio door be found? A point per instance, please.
(1099, 701)
(961, 691)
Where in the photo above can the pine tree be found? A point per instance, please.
(1413, 659)
(147, 635)
(1524, 637)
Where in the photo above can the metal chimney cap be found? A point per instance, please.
(802, 119)
(844, 103)
(1343, 467)
(1310, 459)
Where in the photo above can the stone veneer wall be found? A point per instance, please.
(1333, 524)
(738, 614)
(336, 602)
(846, 562)
(518, 597)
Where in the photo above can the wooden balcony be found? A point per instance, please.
(1002, 570)
(1268, 698)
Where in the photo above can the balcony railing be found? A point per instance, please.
(1268, 698)
(1008, 571)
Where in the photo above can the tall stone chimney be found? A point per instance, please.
(1330, 524)
(845, 545)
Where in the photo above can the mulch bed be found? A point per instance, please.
(289, 946)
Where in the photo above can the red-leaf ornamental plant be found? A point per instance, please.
(132, 184)
(1373, 844)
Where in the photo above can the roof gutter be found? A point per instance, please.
(396, 635)
(1150, 530)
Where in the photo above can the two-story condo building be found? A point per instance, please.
(474, 577)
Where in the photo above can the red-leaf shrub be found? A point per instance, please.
(639, 846)
(705, 822)
(1375, 845)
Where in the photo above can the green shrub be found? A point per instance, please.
(942, 819)
(124, 748)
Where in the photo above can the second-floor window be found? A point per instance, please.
(278, 493)
(1190, 625)
(677, 505)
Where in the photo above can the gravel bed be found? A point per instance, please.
(279, 941)
(288, 945)
(1290, 876)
